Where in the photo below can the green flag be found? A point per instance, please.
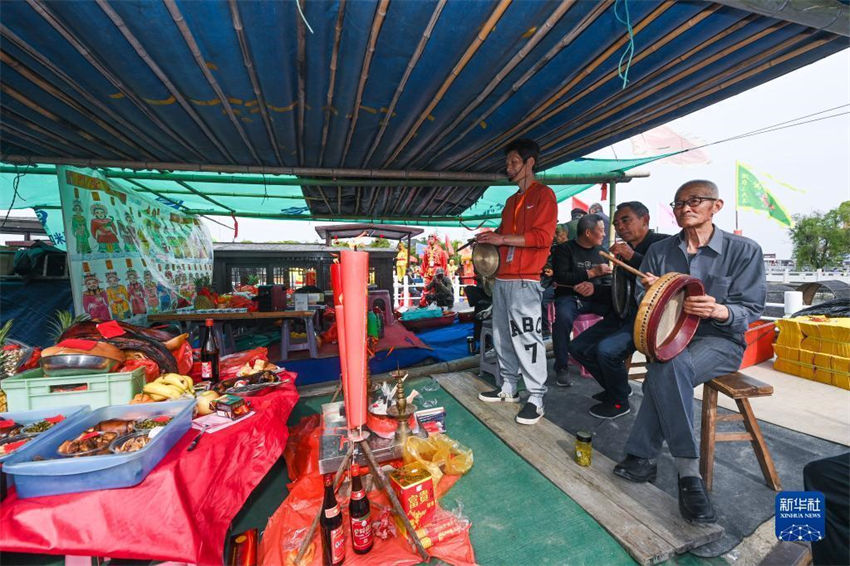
(751, 194)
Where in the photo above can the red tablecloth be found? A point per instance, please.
(180, 512)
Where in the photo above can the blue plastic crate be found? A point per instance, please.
(57, 474)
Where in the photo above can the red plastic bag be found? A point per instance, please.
(183, 355)
(230, 364)
(152, 370)
(33, 361)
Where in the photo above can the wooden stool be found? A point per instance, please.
(639, 366)
(739, 387)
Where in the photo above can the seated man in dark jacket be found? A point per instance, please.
(439, 290)
(582, 285)
(604, 347)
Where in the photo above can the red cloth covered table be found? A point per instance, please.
(180, 512)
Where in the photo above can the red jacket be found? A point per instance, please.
(533, 214)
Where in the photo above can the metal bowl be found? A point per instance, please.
(77, 364)
(485, 259)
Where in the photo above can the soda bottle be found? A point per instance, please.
(209, 354)
(359, 514)
(333, 536)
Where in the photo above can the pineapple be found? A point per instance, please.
(62, 321)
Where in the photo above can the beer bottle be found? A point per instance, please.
(209, 354)
(333, 537)
(359, 514)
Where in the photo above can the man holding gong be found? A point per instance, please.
(523, 239)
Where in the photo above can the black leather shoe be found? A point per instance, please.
(636, 469)
(694, 504)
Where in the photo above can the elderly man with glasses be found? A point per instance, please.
(731, 268)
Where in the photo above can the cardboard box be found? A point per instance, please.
(415, 490)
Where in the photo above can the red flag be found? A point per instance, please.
(579, 204)
(449, 248)
(604, 191)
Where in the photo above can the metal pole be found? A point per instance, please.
(612, 208)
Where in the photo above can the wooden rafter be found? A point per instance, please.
(137, 46)
(248, 62)
(564, 42)
(195, 50)
(42, 10)
(470, 52)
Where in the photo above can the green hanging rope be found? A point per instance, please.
(630, 48)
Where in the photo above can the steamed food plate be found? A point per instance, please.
(89, 443)
(147, 424)
(9, 428)
(132, 442)
(37, 427)
(12, 443)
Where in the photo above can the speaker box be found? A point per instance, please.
(271, 298)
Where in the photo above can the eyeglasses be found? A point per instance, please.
(692, 202)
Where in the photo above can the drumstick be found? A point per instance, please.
(623, 264)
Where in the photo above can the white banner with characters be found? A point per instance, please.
(130, 255)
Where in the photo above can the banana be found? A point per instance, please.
(187, 382)
(156, 397)
(163, 389)
(174, 380)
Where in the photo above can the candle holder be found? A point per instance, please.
(401, 411)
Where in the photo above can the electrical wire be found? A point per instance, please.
(775, 127)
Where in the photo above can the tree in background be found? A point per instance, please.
(822, 240)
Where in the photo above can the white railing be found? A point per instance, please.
(780, 275)
(407, 294)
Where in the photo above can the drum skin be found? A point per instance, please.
(661, 329)
(485, 259)
(622, 288)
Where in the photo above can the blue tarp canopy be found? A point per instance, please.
(370, 89)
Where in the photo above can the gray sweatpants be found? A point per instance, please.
(517, 337)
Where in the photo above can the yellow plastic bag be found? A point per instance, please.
(440, 454)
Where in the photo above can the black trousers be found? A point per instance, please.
(479, 301)
(831, 476)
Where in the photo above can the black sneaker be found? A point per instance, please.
(609, 410)
(497, 396)
(602, 396)
(529, 414)
(562, 378)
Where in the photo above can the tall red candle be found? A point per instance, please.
(354, 275)
(336, 283)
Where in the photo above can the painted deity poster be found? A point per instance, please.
(130, 256)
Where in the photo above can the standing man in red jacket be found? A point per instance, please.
(524, 236)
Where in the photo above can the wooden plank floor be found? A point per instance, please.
(641, 517)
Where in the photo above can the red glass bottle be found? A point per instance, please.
(359, 513)
(209, 354)
(333, 536)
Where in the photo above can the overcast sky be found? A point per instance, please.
(813, 158)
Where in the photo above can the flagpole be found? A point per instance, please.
(737, 181)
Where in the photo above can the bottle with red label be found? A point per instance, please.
(333, 536)
(359, 515)
(209, 354)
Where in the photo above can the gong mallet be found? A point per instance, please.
(623, 264)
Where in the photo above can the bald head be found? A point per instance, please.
(707, 188)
